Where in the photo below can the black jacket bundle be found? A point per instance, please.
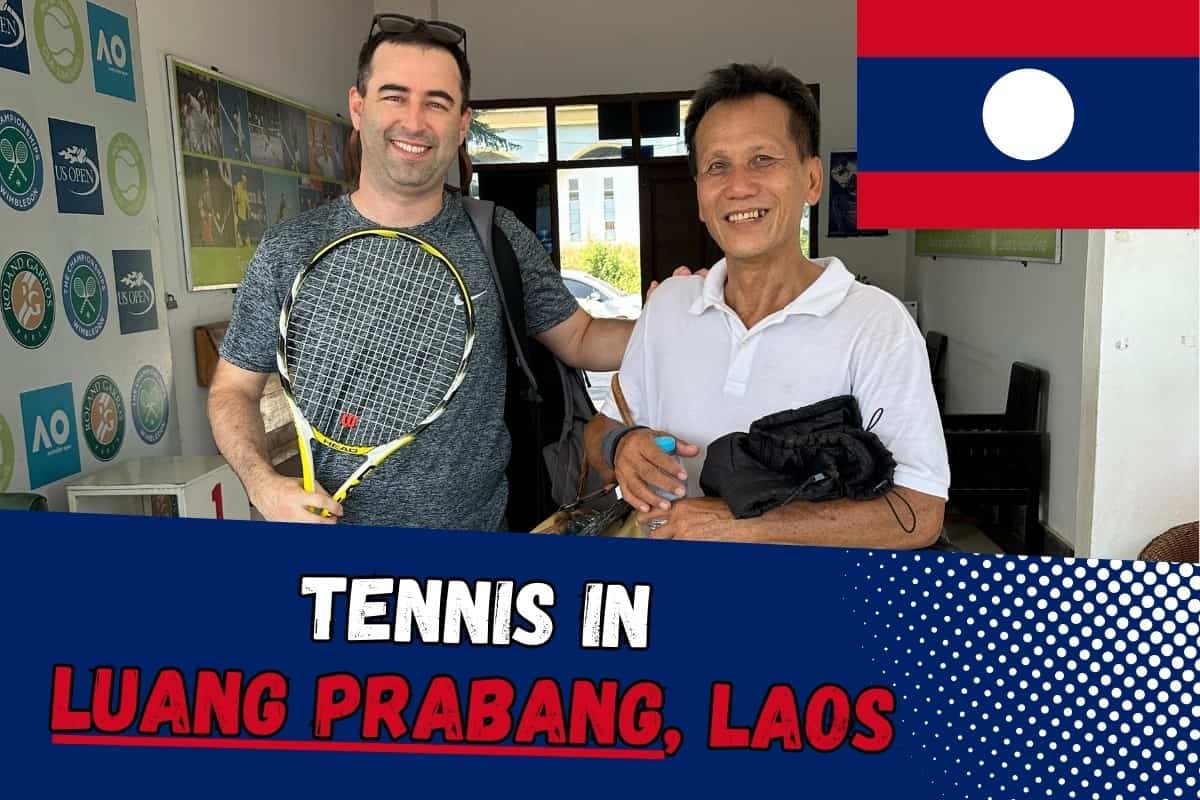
(819, 452)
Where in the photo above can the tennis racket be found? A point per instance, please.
(374, 340)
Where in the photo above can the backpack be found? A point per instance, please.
(546, 403)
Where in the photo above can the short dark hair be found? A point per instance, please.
(421, 37)
(742, 81)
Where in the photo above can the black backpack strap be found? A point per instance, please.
(530, 496)
(506, 273)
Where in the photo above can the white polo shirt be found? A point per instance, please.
(692, 368)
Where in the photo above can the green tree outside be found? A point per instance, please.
(618, 263)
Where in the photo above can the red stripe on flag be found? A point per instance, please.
(1019, 28)
(1028, 200)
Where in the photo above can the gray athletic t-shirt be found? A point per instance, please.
(452, 475)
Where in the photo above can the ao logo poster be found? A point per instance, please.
(112, 53)
(51, 440)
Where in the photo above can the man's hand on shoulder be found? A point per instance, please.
(680, 272)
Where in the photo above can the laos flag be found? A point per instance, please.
(1029, 114)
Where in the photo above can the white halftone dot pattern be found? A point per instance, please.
(1021, 676)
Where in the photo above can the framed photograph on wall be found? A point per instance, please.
(247, 159)
(843, 196)
(1004, 245)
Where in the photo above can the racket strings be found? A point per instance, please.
(376, 340)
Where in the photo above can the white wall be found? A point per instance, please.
(302, 49)
(1144, 386)
(997, 312)
(557, 48)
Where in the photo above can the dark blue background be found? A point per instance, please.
(64, 134)
(16, 58)
(95, 590)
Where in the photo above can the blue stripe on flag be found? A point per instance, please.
(1131, 114)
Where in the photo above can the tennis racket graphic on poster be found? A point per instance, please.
(374, 340)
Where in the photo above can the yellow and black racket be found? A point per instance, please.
(374, 340)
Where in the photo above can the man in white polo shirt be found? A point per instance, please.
(769, 330)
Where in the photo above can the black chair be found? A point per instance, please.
(996, 459)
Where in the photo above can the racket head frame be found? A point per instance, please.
(374, 455)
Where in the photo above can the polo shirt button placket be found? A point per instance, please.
(740, 362)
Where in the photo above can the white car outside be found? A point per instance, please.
(600, 298)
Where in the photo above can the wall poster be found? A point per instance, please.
(246, 160)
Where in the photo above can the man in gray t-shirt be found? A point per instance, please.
(409, 107)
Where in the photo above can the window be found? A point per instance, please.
(610, 211)
(665, 140)
(507, 135)
(573, 209)
(592, 131)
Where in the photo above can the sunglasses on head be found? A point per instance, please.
(446, 33)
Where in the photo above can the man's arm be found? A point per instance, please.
(593, 441)
(237, 427)
(640, 464)
(833, 523)
(586, 342)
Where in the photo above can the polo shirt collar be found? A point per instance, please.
(825, 294)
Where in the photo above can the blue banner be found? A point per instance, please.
(237, 659)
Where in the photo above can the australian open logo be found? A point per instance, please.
(20, 162)
(148, 404)
(85, 294)
(102, 417)
(14, 53)
(76, 175)
(27, 300)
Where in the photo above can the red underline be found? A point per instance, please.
(534, 751)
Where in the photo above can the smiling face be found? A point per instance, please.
(752, 179)
(411, 119)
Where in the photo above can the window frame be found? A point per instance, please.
(553, 164)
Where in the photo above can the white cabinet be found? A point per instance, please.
(176, 486)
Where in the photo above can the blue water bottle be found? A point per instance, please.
(667, 445)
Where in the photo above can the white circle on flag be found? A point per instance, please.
(1028, 114)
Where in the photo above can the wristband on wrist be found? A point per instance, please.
(613, 438)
